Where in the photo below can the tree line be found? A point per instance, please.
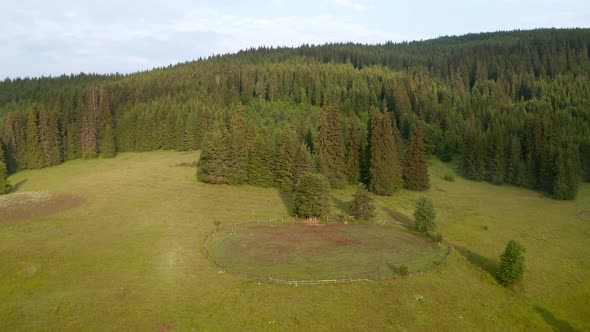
(511, 107)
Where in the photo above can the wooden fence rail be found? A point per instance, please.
(262, 279)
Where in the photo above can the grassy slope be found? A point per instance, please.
(130, 258)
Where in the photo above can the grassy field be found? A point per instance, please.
(304, 252)
(130, 258)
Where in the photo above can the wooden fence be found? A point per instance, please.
(262, 279)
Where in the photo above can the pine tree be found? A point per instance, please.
(424, 215)
(259, 163)
(5, 186)
(415, 167)
(214, 163)
(361, 206)
(511, 267)
(567, 177)
(106, 138)
(473, 166)
(516, 170)
(89, 135)
(303, 163)
(311, 195)
(239, 146)
(330, 146)
(72, 144)
(285, 160)
(33, 150)
(107, 148)
(353, 153)
(50, 137)
(385, 174)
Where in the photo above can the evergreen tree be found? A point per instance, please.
(415, 167)
(361, 206)
(89, 135)
(473, 166)
(259, 163)
(72, 144)
(50, 137)
(33, 150)
(107, 148)
(239, 146)
(511, 267)
(424, 215)
(5, 186)
(385, 173)
(214, 163)
(106, 139)
(567, 179)
(353, 153)
(330, 146)
(311, 195)
(516, 170)
(285, 160)
(303, 162)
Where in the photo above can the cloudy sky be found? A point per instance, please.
(58, 36)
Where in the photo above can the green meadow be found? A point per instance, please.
(130, 257)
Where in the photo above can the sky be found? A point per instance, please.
(42, 38)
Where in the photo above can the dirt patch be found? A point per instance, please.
(327, 235)
(28, 205)
(584, 215)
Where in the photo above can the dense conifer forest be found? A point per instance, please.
(509, 107)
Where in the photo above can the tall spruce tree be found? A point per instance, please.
(106, 138)
(239, 146)
(330, 150)
(214, 163)
(285, 159)
(385, 173)
(89, 135)
(303, 162)
(361, 206)
(415, 167)
(260, 162)
(473, 165)
(33, 150)
(353, 153)
(5, 186)
(50, 137)
(311, 196)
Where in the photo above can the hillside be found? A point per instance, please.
(514, 107)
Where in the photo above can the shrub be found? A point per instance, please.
(362, 206)
(403, 270)
(437, 237)
(449, 177)
(424, 215)
(217, 223)
(511, 264)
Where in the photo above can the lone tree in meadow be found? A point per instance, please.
(424, 215)
(511, 264)
(415, 167)
(5, 186)
(362, 206)
(311, 195)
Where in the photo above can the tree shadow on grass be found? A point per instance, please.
(558, 324)
(19, 184)
(342, 206)
(486, 264)
(287, 199)
(399, 217)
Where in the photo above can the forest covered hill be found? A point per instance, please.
(512, 107)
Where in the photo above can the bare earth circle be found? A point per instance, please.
(28, 205)
(302, 252)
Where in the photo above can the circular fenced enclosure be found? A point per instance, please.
(297, 251)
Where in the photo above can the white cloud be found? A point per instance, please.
(352, 4)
